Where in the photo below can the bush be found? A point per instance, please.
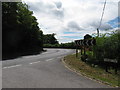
(107, 46)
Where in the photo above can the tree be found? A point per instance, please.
(21, 33)
(9, 33)
(87, 36)
(50, 39)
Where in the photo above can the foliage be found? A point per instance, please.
(107, 46)
(87, 36)
(92, 72)
(69, 45)
(20, 30)
(50, 39)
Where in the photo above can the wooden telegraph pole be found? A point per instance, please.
(98, 32)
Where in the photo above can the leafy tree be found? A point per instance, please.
(21, 33)
(9, 32)
(70, 45)
(87, 36)
(107, 46)
(50, 39)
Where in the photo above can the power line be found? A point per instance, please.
(101, 17)
(102, 14)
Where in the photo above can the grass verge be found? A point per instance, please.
(96, 73)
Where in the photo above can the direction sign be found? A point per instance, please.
(89, 42)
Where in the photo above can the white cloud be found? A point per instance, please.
(82, 16)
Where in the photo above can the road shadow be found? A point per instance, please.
(9, 56)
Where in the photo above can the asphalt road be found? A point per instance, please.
(43, 71)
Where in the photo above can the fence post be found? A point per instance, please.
(81, 50)
(84, 50)
(76, 52)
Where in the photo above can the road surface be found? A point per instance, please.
(43, 71)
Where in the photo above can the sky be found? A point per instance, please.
(72, 19)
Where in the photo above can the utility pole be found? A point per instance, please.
(98, 32)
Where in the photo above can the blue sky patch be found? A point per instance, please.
(73, 37)
(114, 22)
(69, 32)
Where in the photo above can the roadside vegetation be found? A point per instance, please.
(101, 61)
(106, 51)
(91, 71)
(70, 45)
(20, 32)
(107, 46)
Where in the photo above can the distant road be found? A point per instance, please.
(43, 71)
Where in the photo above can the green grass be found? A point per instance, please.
(92, 72)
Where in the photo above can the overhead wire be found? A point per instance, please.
(101, 17)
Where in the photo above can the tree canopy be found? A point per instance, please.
(87, 36)
(50, 39)
(20, 29)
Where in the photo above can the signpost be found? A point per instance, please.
(83, 43)
(89, 42)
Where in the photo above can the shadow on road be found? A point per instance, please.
(9, 56)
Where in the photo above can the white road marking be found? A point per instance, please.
(34, 62)
(12, 66)
(50, 59)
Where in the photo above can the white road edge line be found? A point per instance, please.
(34, 62)
(12, 66)
(50, 59)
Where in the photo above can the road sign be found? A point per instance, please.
(89, 42)
(79, 42)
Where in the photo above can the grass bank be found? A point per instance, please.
(96, 73)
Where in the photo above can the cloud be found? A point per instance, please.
(58, 13)
(80, 16)
(58, 4)
(50, 8)
(104, 26)
(73, 25)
